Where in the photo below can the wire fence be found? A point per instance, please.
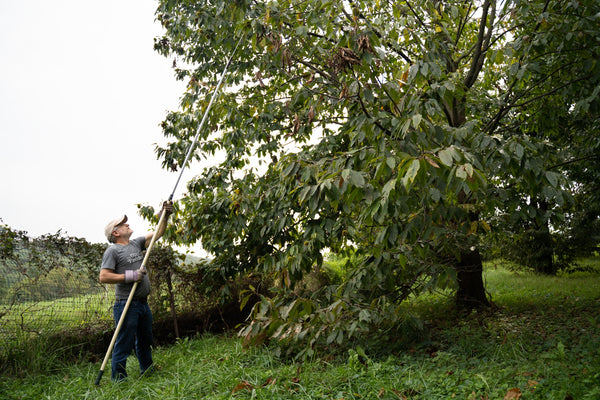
(48, 288)
(50, 291)
(50, 303)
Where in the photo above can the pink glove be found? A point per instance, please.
(134, 275)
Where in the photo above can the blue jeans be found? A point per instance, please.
(136, 331)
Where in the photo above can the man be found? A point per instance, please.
(121, 266)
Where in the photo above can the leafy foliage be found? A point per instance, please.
(556, 105)
(392, 130)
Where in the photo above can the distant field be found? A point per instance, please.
(45, 317)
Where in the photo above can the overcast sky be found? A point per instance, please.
(82, 93)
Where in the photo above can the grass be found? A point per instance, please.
(50, 315)
(36, 327)
(542, 341)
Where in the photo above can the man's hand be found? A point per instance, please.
(135, 275)
(160, 229)
(167, 209)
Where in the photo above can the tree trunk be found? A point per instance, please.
(471, 292)
(469, 272)
(542, 248)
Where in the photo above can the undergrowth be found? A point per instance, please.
(541, 340)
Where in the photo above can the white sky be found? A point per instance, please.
(82, 93)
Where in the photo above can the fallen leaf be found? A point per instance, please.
(514, 393)
(241, 386)
(532, 384)
(399, 394)
(270, 381)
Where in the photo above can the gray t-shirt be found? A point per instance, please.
(120, 258)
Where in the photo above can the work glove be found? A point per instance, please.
(167, 208)
(134, 275)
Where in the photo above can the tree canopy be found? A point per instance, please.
(398, 132)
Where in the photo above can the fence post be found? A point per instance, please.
(172, 302)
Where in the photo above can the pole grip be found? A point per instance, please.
(99, 377)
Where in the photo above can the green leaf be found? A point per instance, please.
(340, 337)
(520, 151)
(285, 310)
(388, 187)
(393, 234)
(391, 162)
(288, 169)
(369, 95)
(364, 315)
(445, 156)
(405, 127)
(301, 31)
(416, 120)
(303, 194)
(361, 352)
(469, 169)
(402, 260)
(455, 154)
(552, 178)
(434, 194)
(411, 173)
(353, 177)
(331, 337)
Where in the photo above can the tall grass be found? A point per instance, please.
(542, 341)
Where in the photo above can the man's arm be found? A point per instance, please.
(109, 276)
(160, 230)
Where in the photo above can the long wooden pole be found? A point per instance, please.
(187, 157)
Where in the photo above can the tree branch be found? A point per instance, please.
(555, 89)
(423, 24)
(366, 112)
(379, 35)
(461, 25)
(483, 41)
(494, 122)
(574, 160)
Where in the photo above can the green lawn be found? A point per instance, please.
(541, 341)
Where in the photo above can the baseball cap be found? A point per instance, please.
(110, 227)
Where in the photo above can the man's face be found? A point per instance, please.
(123, 230)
